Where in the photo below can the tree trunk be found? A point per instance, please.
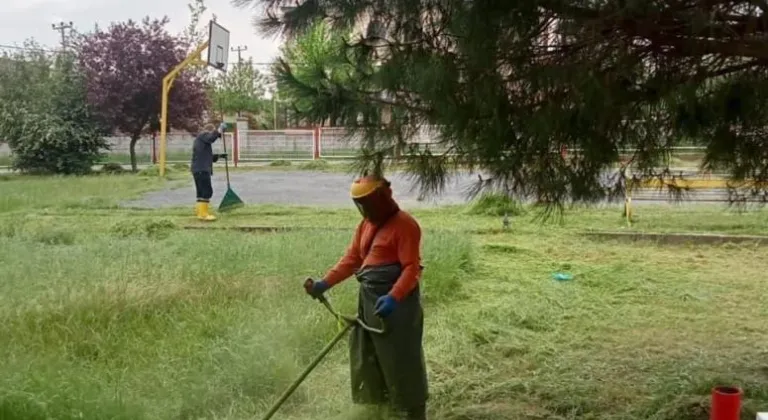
(132, 151)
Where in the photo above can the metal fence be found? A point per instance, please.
(178, 149)
(270, 145)
(338, 143)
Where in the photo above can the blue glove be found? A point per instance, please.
(316, 288)
(384, 306)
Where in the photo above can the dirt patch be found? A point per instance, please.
(681, 238)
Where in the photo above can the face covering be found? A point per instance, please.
(360, 207)
(377, 206)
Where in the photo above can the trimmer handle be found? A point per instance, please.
(309, 284)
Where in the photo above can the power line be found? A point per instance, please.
(16, 47)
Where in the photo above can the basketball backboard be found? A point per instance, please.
(218, 46)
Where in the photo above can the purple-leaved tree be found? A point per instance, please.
(124, 66)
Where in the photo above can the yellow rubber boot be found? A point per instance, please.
(204, 215)
(197, 209)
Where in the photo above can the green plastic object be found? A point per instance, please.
(231, 200)
(562, 276)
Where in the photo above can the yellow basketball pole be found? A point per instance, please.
(193, 58)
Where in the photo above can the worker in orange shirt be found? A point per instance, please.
(385, 257)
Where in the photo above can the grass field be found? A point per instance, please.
(115, 313)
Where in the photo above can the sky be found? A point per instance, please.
(24, 19)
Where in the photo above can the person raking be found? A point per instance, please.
(202, 168)
(385, 257)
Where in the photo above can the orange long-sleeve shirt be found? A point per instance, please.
(399, 240)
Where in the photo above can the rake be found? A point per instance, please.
(231, 200)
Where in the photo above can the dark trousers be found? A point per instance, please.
(389, 367)
(203, 186)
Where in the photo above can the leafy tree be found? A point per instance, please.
(508, 83)
(24, 74)
(125, 66)
(193, 34)
(44, 116)
(241, 89)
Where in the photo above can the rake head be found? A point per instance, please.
(230, 201)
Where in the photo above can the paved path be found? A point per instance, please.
(297, 188)
(331, 189)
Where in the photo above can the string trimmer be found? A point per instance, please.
(348, 322)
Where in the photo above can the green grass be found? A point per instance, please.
(70, 192)
(107, 312)
(146, 158)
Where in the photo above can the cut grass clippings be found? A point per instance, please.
(107, 312)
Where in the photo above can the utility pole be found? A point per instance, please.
(61, 27)
(239, 49)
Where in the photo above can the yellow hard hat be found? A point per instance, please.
(364, 186)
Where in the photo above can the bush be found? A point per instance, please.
(49, 128)
(48, 144)
(495, 204)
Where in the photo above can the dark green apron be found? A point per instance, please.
(389, 367)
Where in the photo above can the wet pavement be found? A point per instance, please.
(331, 190)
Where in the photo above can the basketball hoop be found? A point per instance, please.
(218, 46)
(218, 57)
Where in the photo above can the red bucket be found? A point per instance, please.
(726, 403)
